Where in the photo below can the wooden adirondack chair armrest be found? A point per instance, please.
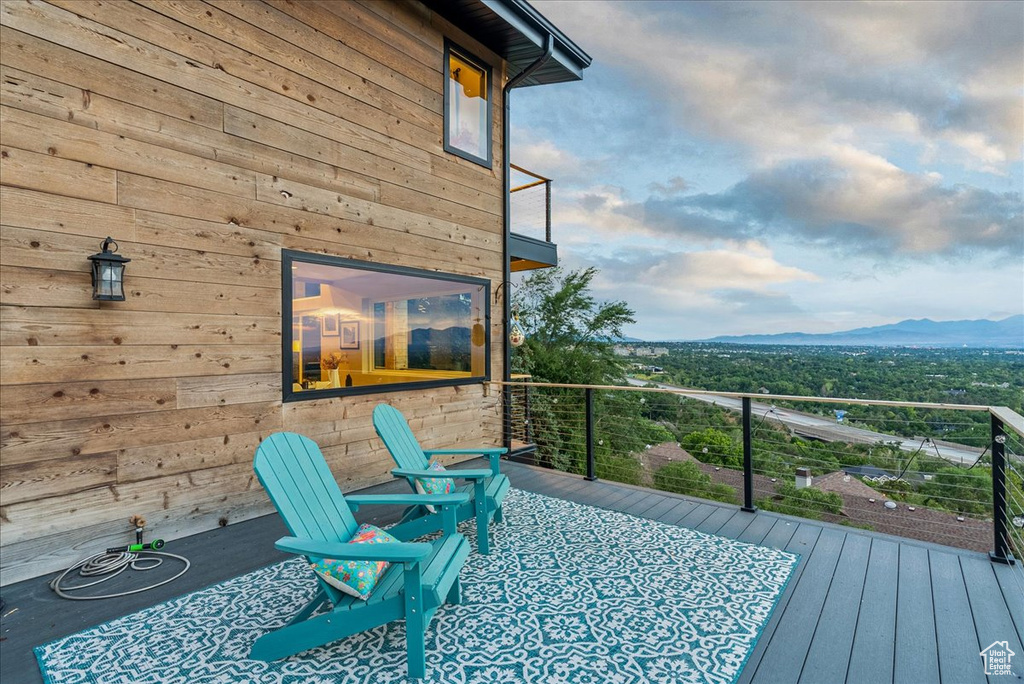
(447, 474)
(442, 500)
(392, 552)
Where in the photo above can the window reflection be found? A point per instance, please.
(467, 110)
(354, 326)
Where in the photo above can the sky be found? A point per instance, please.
(769, 167)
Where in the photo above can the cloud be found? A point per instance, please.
(796, 79)
(864, 205)
(764, 167)
(675, 185)
(749, 267)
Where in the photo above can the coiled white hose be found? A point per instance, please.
(107, 566)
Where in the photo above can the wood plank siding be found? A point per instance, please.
(205, 137)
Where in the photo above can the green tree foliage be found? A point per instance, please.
(805, 503)
(960, 490)
(568, 332)
(950, 376)
(714, 446)
(625, 469)
(687, 478)
(568, 341)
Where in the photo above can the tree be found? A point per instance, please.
(686, 477)
(804, 503)
(569, 337)
(714, 446)
(568, 331)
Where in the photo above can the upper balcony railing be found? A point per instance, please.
(787, 454)
(531, 204)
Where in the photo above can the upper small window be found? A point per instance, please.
(467, 106)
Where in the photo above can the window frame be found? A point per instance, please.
(288, 257)
(449, 47)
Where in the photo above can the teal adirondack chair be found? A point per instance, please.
(487, 487)
(422, 575)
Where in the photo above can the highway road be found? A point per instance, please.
(827, 429)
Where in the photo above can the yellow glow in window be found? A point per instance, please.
(467, 117)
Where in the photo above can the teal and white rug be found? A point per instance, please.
(570, 594)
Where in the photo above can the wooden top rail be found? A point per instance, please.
(1011, 419)
(539, 177)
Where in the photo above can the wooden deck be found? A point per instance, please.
(861, 608)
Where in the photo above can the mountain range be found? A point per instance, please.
(1008, 332)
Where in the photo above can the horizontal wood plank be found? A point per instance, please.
(61, 400)
(30, 364)
(53, 213)
(58, 439)
(46, 58)
(78, 143)
(24, 482)
(48, 173)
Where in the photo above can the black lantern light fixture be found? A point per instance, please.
(108, 273)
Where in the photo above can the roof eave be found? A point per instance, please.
(517, 32)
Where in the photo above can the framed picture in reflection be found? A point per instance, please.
(349, 331)
(329, 325)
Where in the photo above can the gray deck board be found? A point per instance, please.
(859, 608)
(956, 637)
(712, 523)
(784, 659)
(782, 531)
(641, 507)
(678, 512)
(803, 540)
(917, 658)
(991, 623)
(736, 525)
(697, 517)
(874, 641)
(1011, 581)
(829, 653)
(634, 497)
(757, 530)
(661, 507)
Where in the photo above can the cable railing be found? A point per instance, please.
(749, 452)
(530, 199)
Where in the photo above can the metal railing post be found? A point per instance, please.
(527, 421)
(1001, 552)
(748, 460)
(588, 395)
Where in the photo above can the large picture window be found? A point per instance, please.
(467, 106)
(353, 327)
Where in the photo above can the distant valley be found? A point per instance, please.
(1008, 332)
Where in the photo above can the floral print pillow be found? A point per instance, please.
(435, 485)
(354, 577)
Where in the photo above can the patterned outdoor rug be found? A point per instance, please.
(569, 594)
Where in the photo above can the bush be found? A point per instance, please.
(714, 446)
(687, 478)
(625, 469)
(804, 503)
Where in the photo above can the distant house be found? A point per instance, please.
(845, 485)
(869, 472)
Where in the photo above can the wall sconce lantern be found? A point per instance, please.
(108, 273)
